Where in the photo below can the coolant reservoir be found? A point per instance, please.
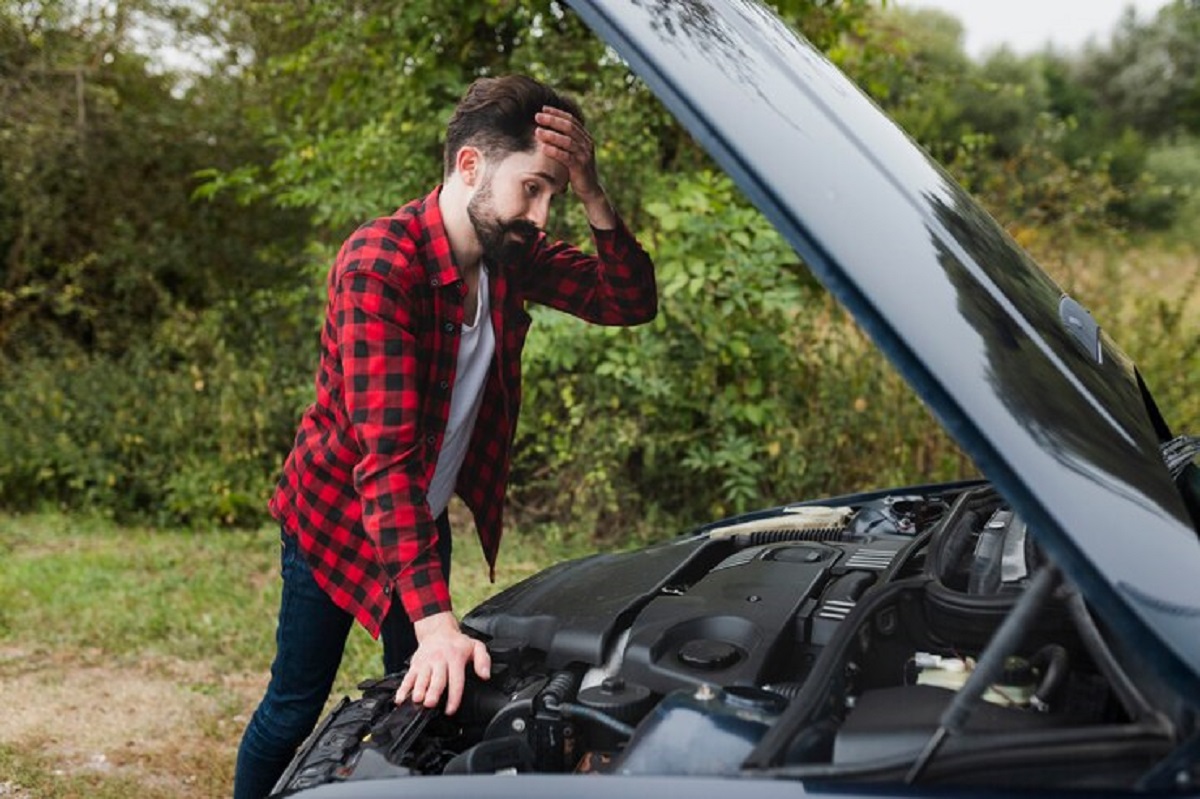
(705, 731)
(1015, 688)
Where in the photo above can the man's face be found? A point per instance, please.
(512, 202)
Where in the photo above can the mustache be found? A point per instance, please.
(525, 230)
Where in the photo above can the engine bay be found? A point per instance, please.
(903, 637)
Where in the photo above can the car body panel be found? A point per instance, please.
(1049, 410)
(557, 786)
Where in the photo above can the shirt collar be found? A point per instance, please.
(438, 257)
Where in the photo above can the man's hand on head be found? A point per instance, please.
(440, 663)
(562, 137)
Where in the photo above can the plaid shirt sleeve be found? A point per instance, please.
(379, 356)
(614, 287)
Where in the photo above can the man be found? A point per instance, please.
(418, 390)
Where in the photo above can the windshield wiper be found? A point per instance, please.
(1179, 454)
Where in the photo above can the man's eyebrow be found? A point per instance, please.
(553, 181)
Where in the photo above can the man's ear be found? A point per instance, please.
(469, 164)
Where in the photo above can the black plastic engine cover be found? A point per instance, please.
(723, 630)
(571, 610)
(698, 611)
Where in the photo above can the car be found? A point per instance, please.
(1035, 630)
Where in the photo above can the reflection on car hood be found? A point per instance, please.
(1047, 407)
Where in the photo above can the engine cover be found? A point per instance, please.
(724, 629)
(724, 611)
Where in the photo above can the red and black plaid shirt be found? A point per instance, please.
(353, 488)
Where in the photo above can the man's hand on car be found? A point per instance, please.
(440, 663)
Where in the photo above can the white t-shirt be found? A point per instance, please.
(475, 350)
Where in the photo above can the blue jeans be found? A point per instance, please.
(309, 639)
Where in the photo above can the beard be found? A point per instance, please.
(502, 240)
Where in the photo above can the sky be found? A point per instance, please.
(1026, 25)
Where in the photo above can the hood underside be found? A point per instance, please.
(1046, 406)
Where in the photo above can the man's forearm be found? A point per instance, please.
(599, 210)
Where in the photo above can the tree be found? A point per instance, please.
(1149, 76)
(918, 56)
(133, 377)
(99, 238)
(359, 94)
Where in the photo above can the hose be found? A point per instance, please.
(572, 710)
(1054, 664)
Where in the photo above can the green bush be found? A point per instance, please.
(1174, 168)
(751, 387)
(190, 427)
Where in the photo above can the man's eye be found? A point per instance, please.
(532, 189)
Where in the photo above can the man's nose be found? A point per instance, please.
(539, 213)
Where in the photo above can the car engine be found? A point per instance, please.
(833, 641)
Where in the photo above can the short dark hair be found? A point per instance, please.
(496, 115)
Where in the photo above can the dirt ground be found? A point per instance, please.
(167, 725)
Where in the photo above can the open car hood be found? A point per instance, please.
(1018, 373)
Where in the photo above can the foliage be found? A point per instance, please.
(359, 128)
(1174, 168)
(745, 391)
(911, 61)
(1038, 194)
(99, 240)
(1148, 78)
(188, 427)
(360, 93)
(163, 239)
(1045, 134)
(133, 376)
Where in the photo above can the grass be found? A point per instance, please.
(1147, 297)
(85, 583)
(184, 616)
(41, 776)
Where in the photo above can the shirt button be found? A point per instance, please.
(430, 439)
(387, 589)
(435, 282)
(448, 327)
(445, 384)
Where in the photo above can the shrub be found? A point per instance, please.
(751, 387)
(190, 427)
